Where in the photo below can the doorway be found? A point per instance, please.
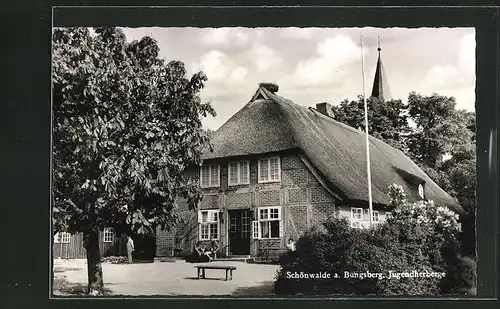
(239, 231)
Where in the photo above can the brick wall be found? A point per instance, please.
(209, 201)
(269, 198)
(320, 195)
(296, 221)
(234, 200)
(321, 213)
(182, 237)
(165, 242)
(299, 193)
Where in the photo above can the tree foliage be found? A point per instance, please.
(125, 126)
(386, 119)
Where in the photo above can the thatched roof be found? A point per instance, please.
(270, 123)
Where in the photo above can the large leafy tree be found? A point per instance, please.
(125, 126)
(443, 144)
(387, 120)
(439, 128)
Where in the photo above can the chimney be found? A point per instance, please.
(325, 108)
(272, 87)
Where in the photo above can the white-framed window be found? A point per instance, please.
(376, 216)
(421, 190)
(62, 237)
(209, 224)
(210, 176)
(356, 214)
(268, 224)
(239, 173)
(357, 217)
(269, 170)
(108, 234)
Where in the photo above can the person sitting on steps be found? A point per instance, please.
(214, 248)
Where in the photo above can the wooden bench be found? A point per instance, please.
(228, 269)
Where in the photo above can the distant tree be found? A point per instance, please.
(387, 120)
(439, 128)
(125, 126)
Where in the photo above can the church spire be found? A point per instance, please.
(380, 88)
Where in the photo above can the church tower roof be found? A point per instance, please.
(380, 88)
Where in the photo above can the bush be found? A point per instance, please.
(115, 260)
(417, 237)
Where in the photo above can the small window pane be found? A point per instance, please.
(421, 191)
(274, 169)
(356, 213)
(214, 175)
(274, 213)
(263, 214)
(66, 237)
(204, 216)
(215, 216)
(233, 173)
(244, 172)
(264, 228)
(108, 235)
(255, 229)
(214, 230)
(204, 231)
(205, 177)
(264, 170)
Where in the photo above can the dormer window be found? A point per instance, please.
(421, 190)
(210, 176)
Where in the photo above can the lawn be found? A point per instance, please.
(165, 278)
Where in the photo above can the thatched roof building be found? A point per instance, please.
(270, 123)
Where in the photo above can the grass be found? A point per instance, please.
(61, 287)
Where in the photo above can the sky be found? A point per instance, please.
(313, 65)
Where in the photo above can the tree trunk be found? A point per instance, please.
(94, 268)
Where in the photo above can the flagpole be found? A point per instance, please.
(368, 171)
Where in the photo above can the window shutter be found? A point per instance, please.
(281, 229)
(199, 216)
(255, 230)
(279, 214)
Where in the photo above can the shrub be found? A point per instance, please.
(115, 259)
(417, 237)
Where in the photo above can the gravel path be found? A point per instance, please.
(173, 278)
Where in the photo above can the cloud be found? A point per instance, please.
(455, 79)
(220, 68)
(467, 56)
(225, 36)
(214, 64)
(238, 74)
(264, 57)
(295, 33)
(332, 55)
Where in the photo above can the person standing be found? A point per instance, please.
(291, 244)
(130, 248)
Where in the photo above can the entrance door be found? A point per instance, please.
(239, 232)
